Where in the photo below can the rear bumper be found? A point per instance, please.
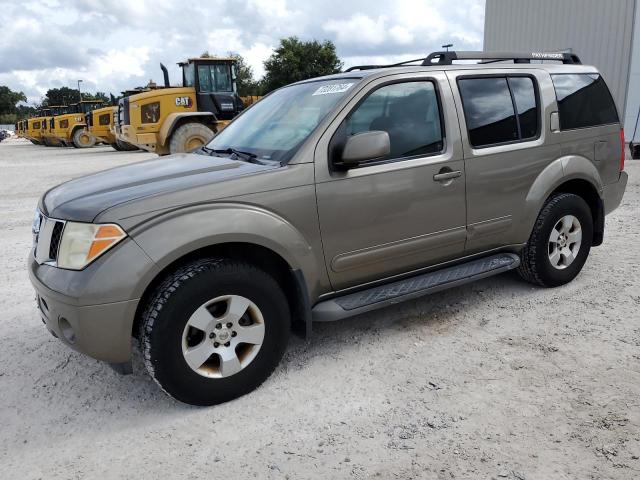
(614, 192)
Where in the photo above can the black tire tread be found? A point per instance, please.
(171, 284)
(528, 265)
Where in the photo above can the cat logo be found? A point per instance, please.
(183, 102)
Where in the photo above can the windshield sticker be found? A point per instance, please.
(334, 88)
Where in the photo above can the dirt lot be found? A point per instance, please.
(497, 379)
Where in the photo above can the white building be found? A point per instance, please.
(604, 33)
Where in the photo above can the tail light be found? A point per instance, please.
(622, 153)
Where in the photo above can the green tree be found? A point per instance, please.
(61, 96)
(98, 96)
(9, 99)
(245, 82)
(295, 60)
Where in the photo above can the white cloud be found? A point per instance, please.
(113, 45)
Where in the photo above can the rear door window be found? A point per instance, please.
(488, 109)
(500, 109)
(583, 101)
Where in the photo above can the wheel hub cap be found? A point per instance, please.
(564, 242)
(223, 336)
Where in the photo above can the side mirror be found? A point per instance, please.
(365, 146)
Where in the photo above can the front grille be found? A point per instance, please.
(47, 237)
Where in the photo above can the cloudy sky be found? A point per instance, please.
(113, 45)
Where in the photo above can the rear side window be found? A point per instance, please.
(500, 109)
(583, 101)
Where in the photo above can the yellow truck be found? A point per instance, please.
(180, 119)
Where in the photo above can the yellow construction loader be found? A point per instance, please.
(68, 128)
(101, 124)
(33, 127)
(180, 119)
(48, 137)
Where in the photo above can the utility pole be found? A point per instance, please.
(79, 93)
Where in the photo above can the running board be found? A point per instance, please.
(413, 287)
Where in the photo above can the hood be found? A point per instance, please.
(84, 198)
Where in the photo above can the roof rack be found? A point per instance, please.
(447, 58)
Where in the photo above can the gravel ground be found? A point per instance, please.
(496, 379)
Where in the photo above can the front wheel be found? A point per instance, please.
(214, 330)
(83, 139)
(189, 136)
(560, 242)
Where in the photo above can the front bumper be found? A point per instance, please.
(93, 310)
(614, 192)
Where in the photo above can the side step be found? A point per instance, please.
(413, 287)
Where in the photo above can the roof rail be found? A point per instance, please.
(447, 58)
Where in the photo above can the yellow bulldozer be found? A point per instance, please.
(180, 119)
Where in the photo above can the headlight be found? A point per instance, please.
(82, 243)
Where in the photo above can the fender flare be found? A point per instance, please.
(207, 225)
(554, 175)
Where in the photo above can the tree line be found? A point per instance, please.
(293, 60)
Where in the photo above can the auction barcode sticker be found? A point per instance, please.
(333, 88)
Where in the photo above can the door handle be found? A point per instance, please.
(443, 177)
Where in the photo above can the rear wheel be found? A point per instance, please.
(560, 242)
(214, 330)
(83, 139)
(189, 136)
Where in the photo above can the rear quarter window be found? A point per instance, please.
(583, 101)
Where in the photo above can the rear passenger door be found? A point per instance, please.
(502, 116)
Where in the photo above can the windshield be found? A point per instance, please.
(275, 127)
(215, 78)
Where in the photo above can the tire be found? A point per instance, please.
(165, 331)
(189, 136)
(124, 146)
(541, 261)
(83, 139)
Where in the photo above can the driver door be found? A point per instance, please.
(398, 214)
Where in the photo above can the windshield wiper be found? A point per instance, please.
(246, 156)
(239, 153)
